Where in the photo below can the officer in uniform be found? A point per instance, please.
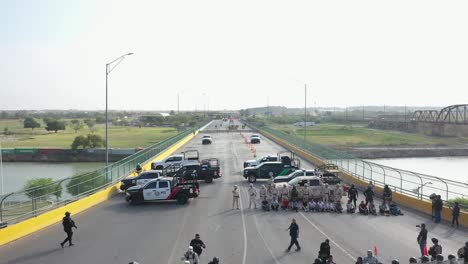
(305, 197)
(235, 197)
(263, 193)
(353, 194)
(274, 197)
(68, 224)
(252, 196)
(325, 193)
(338, 193)
(284, 196)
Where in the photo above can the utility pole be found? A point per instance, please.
(305, 111)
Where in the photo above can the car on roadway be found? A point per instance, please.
(171, 160)
(205, 170)
(255, 139)
(314, 183)
(206, 139)
(255, 162)
(161, 189)
(329, 173)
(140, 179)
(294, 174)
(266, 170)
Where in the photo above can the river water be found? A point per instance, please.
(452, 168)
(16, 174)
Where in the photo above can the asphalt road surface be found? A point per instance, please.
(115, 232)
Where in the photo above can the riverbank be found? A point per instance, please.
(379, 152)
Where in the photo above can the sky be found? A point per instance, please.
(232, 54)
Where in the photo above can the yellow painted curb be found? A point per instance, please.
(411, 202)
(35, 224)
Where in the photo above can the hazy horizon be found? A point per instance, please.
(232, 55)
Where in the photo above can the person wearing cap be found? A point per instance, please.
(191, 256)
(294, 234)
(370, 258)
(324, 252)
(422, 238)
(235, 197)
(436, 249)
(68, 224)
(197, 244)
(252, 196)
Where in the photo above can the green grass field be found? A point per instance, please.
(119, 137)
(347, 135)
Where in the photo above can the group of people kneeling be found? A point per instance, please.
(319, 199)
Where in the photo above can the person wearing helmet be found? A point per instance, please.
(235, 197)
(435, 250)
(191, 256)
(68, 224)
(370, 259)
(252, 196)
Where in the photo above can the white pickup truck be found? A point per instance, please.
(175, 160)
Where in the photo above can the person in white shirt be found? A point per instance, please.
(252, 196)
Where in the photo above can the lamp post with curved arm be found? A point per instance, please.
(109, 69)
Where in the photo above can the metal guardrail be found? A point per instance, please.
(18, 206)
(410, 183)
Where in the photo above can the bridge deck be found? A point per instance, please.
(114, 232)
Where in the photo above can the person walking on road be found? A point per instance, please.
(68, 224)
(438, 205)
(252, 196)
(369, 194)
(370, 259)
(455, 214)
(294, 234)
(191, 256)
(235, 197)
(324, 252)
(422, 238)
(197, 244)
(353, 194)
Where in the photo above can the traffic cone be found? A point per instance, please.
(376, 251)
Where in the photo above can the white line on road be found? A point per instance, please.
(244, 257)
(329, 238)
(178, 237)
(264, 241)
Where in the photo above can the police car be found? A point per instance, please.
(161, 189)
(141, 179)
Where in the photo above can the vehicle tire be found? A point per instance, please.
(135, 200)
(209, 179)
(182, 199)
(252, 178)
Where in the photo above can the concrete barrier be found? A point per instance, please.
(422, 206)
(46, 219)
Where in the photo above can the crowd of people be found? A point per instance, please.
(323, 198)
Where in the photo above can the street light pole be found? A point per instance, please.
(109, 69)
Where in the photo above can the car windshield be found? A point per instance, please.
(206, 136)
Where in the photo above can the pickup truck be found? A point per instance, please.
(192, 171)
(175, 160)
(266, 170)
(161, 189)
(140, 179)
(255, 162)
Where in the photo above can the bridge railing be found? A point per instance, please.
(18, 206)
(413, 184)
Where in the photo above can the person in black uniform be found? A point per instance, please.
(369, 194)
(353, 194)
(294, 234)
(197, 244)
(68, 224)
(324, 252)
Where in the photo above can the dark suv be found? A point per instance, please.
(266, 170)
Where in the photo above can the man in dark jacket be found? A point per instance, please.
(369, 194)
(197, 244)
(324, 252)
(422, 238)
(455, 214)
(294, 234)
(68, 224)
(438, 205)
(387, 194)
(435, 250)
(353, 194)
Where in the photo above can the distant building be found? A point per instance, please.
(304, 124)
